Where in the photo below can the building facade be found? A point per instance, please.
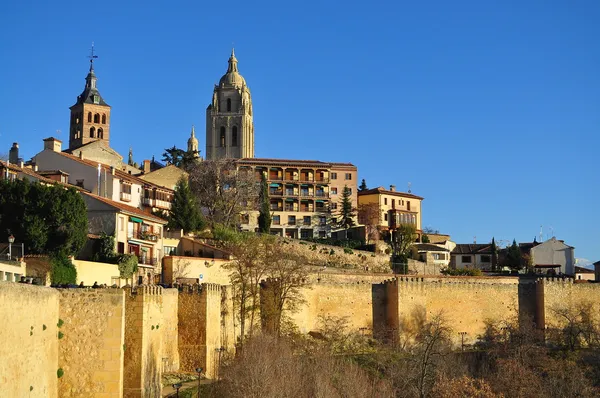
(389, 208)
(303, 194)
(229, 124)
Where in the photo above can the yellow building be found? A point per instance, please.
(303, 194)
(389, 208)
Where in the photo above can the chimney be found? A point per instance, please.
(80, 154)
(35, 167)
(21, 164)
(393, 188)
(112, 170)
(53, 144)
(146, 166)
(13, 154)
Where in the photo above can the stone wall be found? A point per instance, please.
(210, 269)
(169, 330)
(89, 272)
(29, 349)
(91, 342)
(199, 327)
(143, 342)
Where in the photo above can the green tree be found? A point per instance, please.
(425, 238)
(128, 266)
(185, 213)
(401, 239)
(63, 272)
(363, 185)
(179, 157)
(346, 212)
(513, 256)
(264, 217)
(494, 255)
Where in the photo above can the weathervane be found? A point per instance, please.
(92, 56)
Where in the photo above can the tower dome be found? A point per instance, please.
(193, 142)
(232, 77)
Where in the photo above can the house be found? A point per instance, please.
(553, 256)
(389, 208)
(584, 274)
(431, 254)
(472, 256)
(135, 231)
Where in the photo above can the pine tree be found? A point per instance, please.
(264, 217)
(346, 213)
(494, 254)
(185, 213)
(363, 185)
(513, 256)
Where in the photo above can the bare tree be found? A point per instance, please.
(223, 190)
(181, 268)
(368, 215)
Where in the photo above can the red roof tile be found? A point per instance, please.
(127, 209)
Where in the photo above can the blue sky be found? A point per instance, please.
(490, 109)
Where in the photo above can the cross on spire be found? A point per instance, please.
(92, 56)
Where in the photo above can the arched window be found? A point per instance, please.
(97, 118)
(89, 117)
(78, 134)
(92, 132)
(103, 118)
(222, 137)
(100, 133)
(228, 104)
(234, 136)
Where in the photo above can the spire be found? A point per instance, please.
(232, 62)
(130, 160)
(91, 77)
(193, 132)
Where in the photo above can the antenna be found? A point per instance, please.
(409, 185)
(541, 234)
(551, 232)
(475, 240)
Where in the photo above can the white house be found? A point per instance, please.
(554, 255)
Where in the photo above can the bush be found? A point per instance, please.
(128, 265)
(462, 272)
(63, 271)
(348, 250)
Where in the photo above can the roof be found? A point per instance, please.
(428, 247)
(52, 172)
(126, 209)
(206, 244)
(31, 173)
(382, 190)
(547, 266)
(583, 270)
(87, 95)
(472, 248)
(292, 162)
(119, 173)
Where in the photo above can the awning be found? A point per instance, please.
(135, 219)
(274, 185)
(289, 200)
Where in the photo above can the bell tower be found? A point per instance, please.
(229, 125)
(90, 116)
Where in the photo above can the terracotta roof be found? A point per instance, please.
(583, 270)
(382, 190)
(119, 173)
(126, 209)
(52, 172)
(292, 162)
(472, 248)
(36, 175)
(206, 244)
(428, 247)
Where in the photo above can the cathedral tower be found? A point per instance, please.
(229, 125)
(90, 116)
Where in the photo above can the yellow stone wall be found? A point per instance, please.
(557, 294)
(169, 330)
(29, 349)
(91, 347)
(192, 267)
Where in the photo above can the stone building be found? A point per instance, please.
(229, 125)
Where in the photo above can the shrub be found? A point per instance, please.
(348, 250)
(63, 271)
(128, 265)
(462, 272)
(331, 252)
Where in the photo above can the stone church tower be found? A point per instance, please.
(90, 116)
(229, 125)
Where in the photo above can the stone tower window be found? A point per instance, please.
(97, 118)
(100, 133)
(228, 104)
(234, 136)
(92, 132)
(103, 118)
(89, 117)
(222, 138)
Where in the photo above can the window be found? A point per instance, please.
(307, 220)
(408, 205)
(291, 220)
(322, 234)
(306, 233)
(485, 259)
(100, 133)
(276, 220)
(245, 218)
(234, 136)
(92, 132)
(170, 250)
(349, 191)
(334, 176)
(333, 191)
(97, 118)
(96, 99)
(465, 259)
(222, 138)
(228, 104)
(89, 117)
(385, 201)
(334, 206)
(348, 176)
(322, 220)
(393, 203)
(103, 118)
(334, 220)
(121, 224)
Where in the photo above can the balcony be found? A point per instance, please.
(321, 194)
(162, 204)
(148, 201)
(144, 235)
(322, 180)
(291, 208)
(147, 260)
(307, 194)
(276, 193)
(125, 197)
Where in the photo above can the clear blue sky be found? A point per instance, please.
(491, 109)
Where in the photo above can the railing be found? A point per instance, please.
(12, 253)
(322, 180)
(126, 197)
(291, 208)
(143, 235)
(322, 195)
(163, 204)
(276, 208)
(145, 260)
(147, 201)
(276, 193)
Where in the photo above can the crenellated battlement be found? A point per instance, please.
(147, 290)
(554, 279)
(199, 289)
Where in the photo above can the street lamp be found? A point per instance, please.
(462, 340)
(11, 240)
(177, 386)
(199, 371)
